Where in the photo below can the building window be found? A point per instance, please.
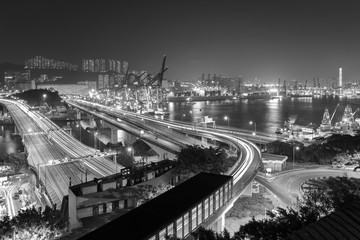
(193, 218)
(217, 200)
(226, 192)
(179, 233)
(186, 224)
(95, 210)
(170, 230)
(221, 196)
(152, 238)
(115, 205)
(121, 204)
(211, 204)
(206, 208)
(199, 209)
(162, 234)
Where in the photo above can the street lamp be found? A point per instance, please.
(182, 117)
(251, 123)
(97, 141)
(295, 148)
(131, 151)
(254, 133)
(141, 133)
(78, 125)
(226, 118)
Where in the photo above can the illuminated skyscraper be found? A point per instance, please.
(340, 77)
(125, 66)
(118, 66)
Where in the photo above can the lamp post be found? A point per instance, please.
(78, 125)
(251, 123)
(131, 152)
(97, 141)
(143, 121)
(226, 118)
(182, 117)
(294, 148)
(44, 97)
(115, 160)
(254, 133)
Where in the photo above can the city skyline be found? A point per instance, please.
(259, 40)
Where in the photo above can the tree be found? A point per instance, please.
(34, 224)
(146, 192)
(195, 159)
(334, 194)
(207, 234)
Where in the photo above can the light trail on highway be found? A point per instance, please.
(250, 153)
(51, 150)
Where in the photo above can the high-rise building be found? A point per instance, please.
(97, 65)
(101, 81)
(125, 67)
(340, 77)
(85, 65)
(40, 62)
(118, 66)
(102, 65)
(91, 65)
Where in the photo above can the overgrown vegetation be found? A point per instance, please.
(321, 152)
(250, 206)
(195, 159)
(32, 223)
(17, 161)
(35, 97)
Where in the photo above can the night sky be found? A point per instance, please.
(263, 39)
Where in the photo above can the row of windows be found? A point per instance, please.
(109, 207)
(198, 214)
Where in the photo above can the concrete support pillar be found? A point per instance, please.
(92, 122)
(248, 190)
(113, 137)
(219, 225)
(78, 114)
(204, 139)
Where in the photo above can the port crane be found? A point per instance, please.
(148, 84)
(332, 116)
(157, 82)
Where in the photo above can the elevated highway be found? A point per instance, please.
(58, 158)
(243, 172)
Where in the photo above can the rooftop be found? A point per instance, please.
(160, 211)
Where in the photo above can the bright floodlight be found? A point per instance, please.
(44, 95)
(251, 122)
(254, 133)
(226, 118)
(142, 132)
(129, 149)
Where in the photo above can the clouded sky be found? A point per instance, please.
(264, 39)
